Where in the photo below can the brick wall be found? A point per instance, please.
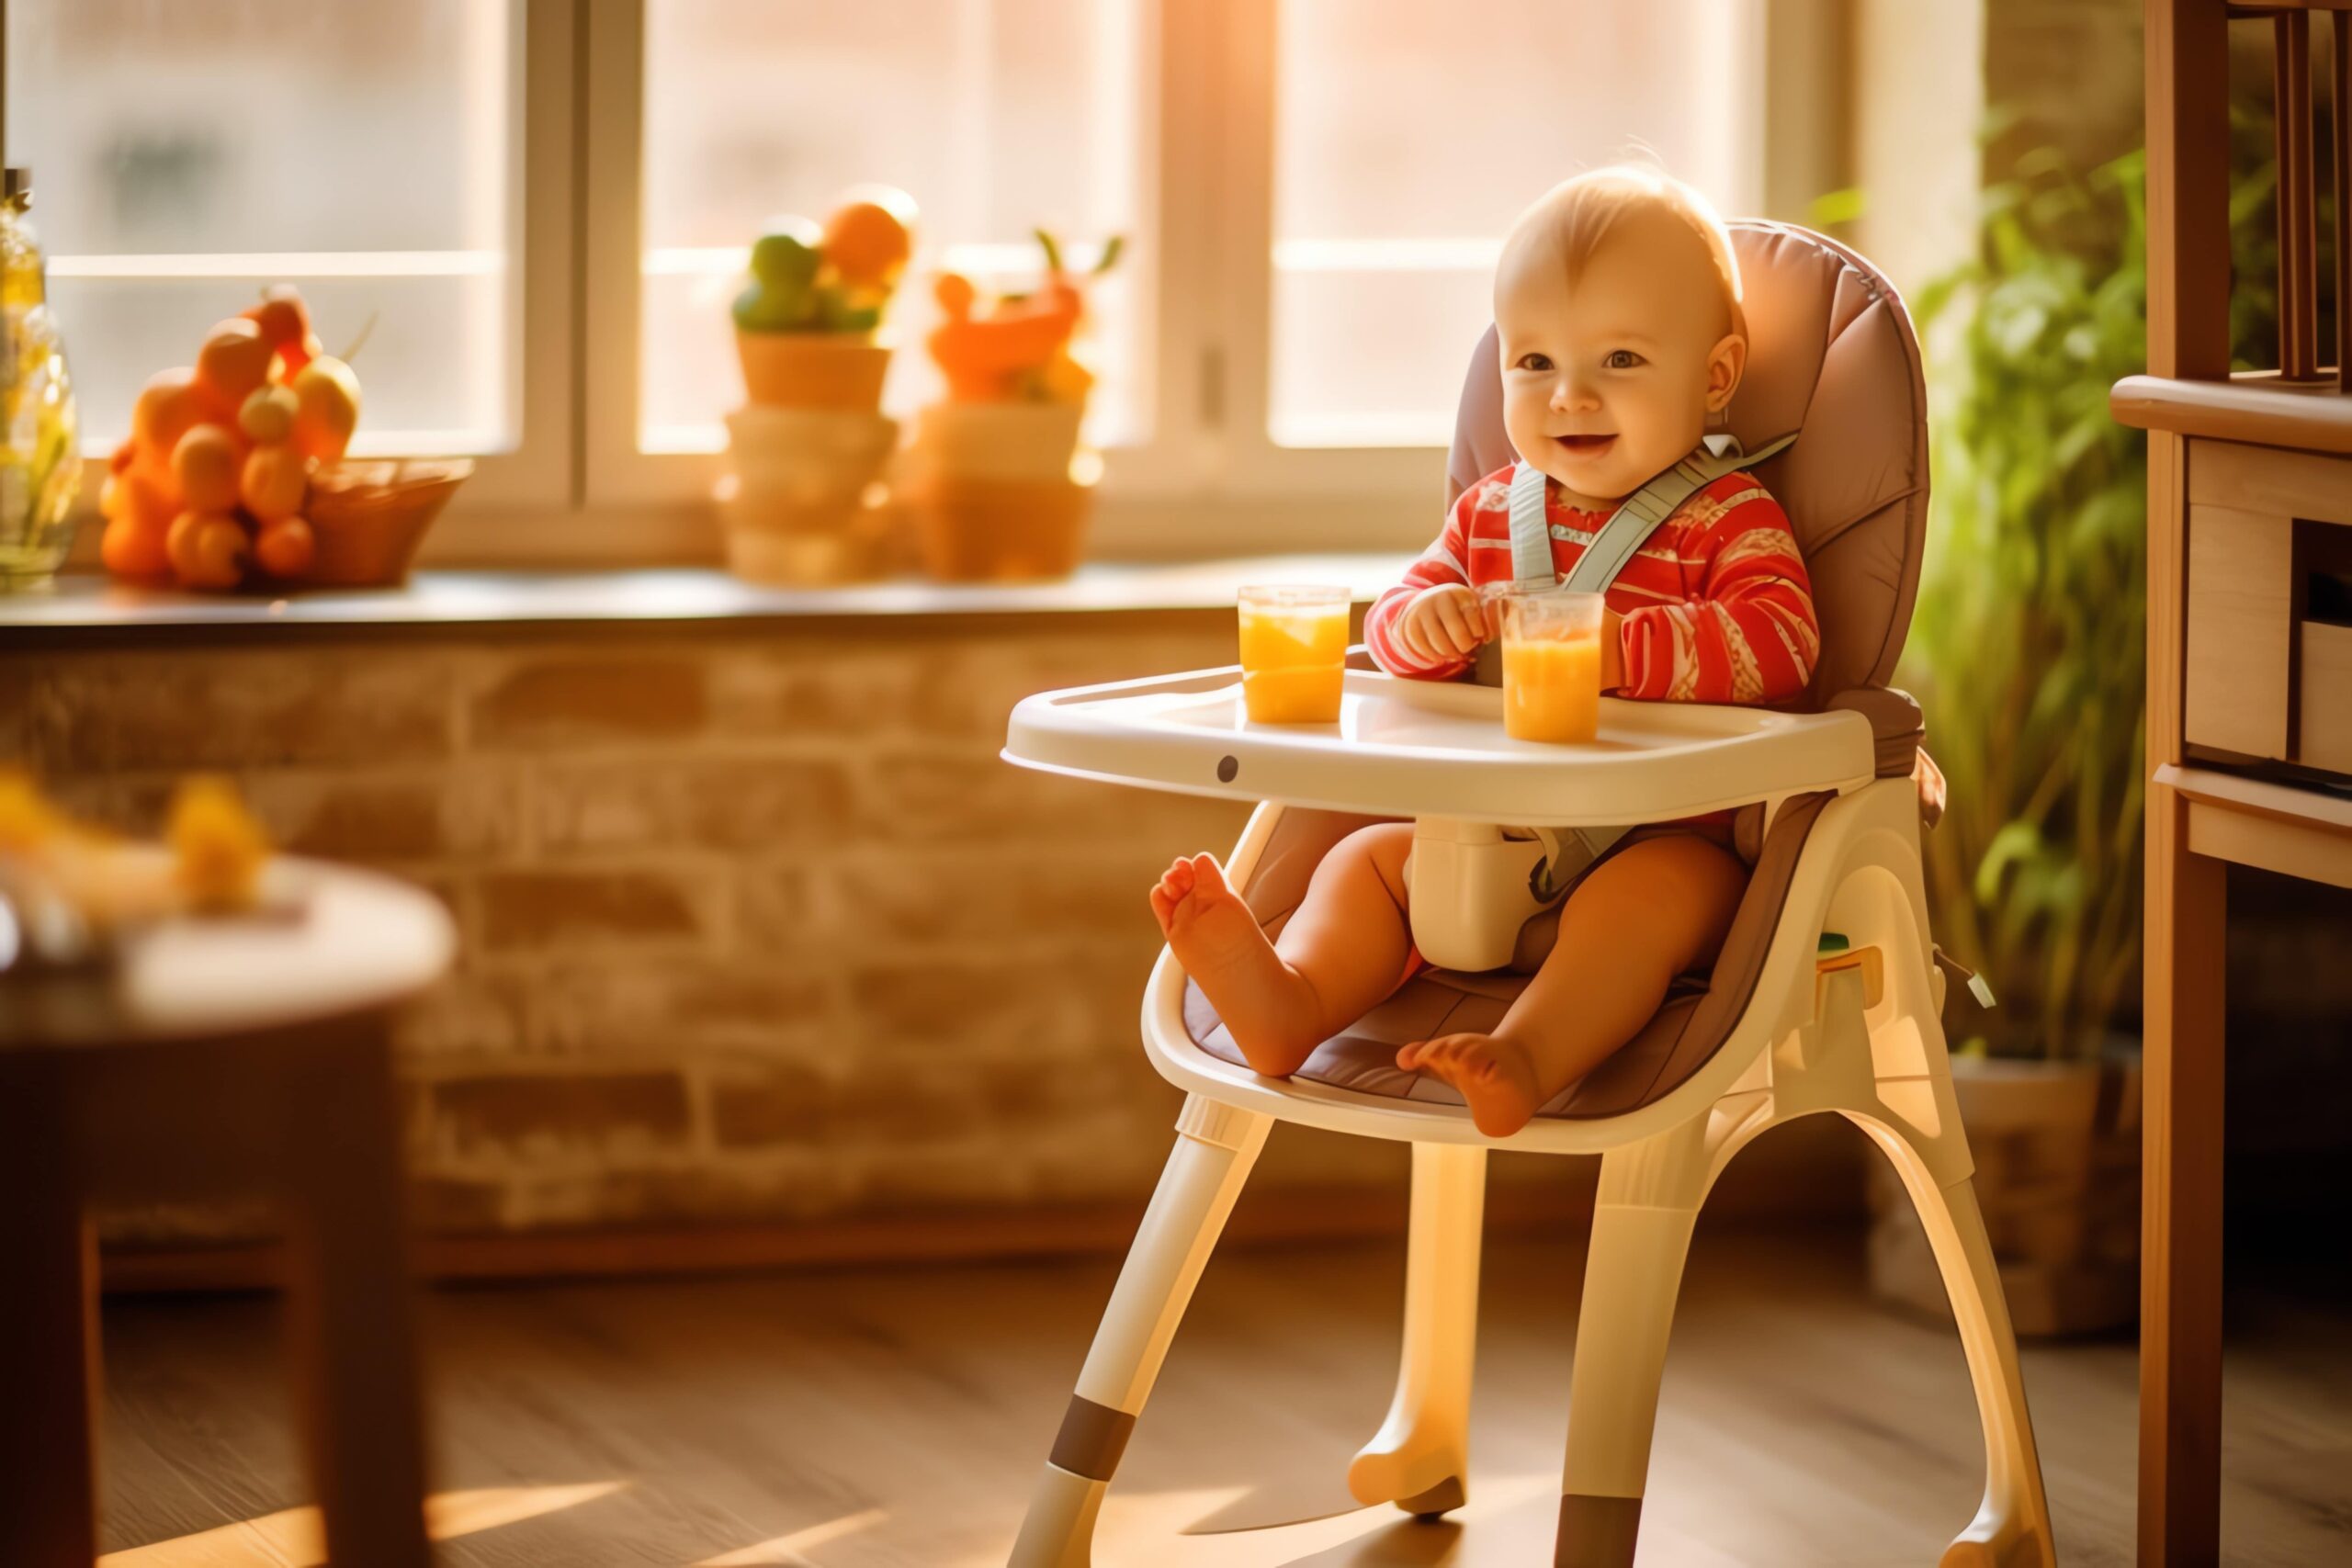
(757, 927)
(756, 924)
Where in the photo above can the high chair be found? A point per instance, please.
(1792, 1020)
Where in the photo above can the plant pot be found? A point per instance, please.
(999, 530)
(2056, 1146)
(785, 549)
(997, 441)
(812, 370)
(369, 516)
(804, 503)
(807, 458)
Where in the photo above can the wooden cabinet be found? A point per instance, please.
(2249, 661)
(2263, 674)
(2324, 712)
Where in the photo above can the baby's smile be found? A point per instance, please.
(1592, 444)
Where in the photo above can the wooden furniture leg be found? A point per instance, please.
(48, 1329)
(351, 1301)
(2181, 1291)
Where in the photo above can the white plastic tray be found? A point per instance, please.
(1436, 749)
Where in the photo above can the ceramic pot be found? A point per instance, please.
(812, 370)
(783, 548)
(804, 502)
(997, 441)
(999, 530)
(807, 458)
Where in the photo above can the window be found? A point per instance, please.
(186, 155)
(1000, 116)
(1406, 138)
(545, 206)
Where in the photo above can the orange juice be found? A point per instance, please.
(1291, 663)
(1552, 688)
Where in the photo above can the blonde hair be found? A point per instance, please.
(1578, 213)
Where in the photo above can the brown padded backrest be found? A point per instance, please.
(1832, 356)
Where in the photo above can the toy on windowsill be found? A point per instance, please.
(994, 476)
(233, 476)
(70, 891)
(803, 501)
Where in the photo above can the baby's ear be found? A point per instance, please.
(1726, 362)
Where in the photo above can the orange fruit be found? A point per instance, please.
(326, 408)
(284, 320)
(143, 495)
(869, 236)
(292, 356)
(232, 362)
(133, 549)
(286, 547)
(206, 463)
(206, 549)
(167, 406)
(274, 481)
(268, 415)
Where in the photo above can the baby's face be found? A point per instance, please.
(1608, 382)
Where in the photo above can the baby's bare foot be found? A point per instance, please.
(1267, 1006)
(1495, 1077)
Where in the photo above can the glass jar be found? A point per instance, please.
(41, 468)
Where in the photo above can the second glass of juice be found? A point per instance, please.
(1550, 665)
(1294, 653)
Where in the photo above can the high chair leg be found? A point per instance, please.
(1215, 1146)
(2012, 1527)
(1419, 1459)
(1649, 1199)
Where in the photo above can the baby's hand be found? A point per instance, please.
(1443, 623)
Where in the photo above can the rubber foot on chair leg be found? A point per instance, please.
(1597, 1533)
(2023, 1551)
(1439, 1500)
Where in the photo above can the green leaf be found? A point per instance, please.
(1832, 208)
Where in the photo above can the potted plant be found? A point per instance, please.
(993, 475)
(803, 501)
(2027, 651)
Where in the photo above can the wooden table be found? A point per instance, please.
(232, 1059)
(2249, 671)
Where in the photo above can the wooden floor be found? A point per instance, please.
(896, 1417)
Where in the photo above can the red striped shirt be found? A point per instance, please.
(1717, 608)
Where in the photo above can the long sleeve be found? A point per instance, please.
(1445, 561)
(1750, 635)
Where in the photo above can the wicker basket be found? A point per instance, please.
(370, 516)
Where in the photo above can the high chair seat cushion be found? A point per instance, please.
(1696, 1021)
(1831, 356)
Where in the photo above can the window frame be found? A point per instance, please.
(535, 476)
(577, 492)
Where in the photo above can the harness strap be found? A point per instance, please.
(1615, 542)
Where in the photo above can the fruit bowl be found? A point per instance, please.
(369, 517)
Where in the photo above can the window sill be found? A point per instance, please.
(88, 608)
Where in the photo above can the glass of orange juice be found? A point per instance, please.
(1551, 664)
(1293, 652)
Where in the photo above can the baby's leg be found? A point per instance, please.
(1647, 914)
(1340, 952)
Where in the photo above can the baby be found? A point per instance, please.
(1617, 305)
